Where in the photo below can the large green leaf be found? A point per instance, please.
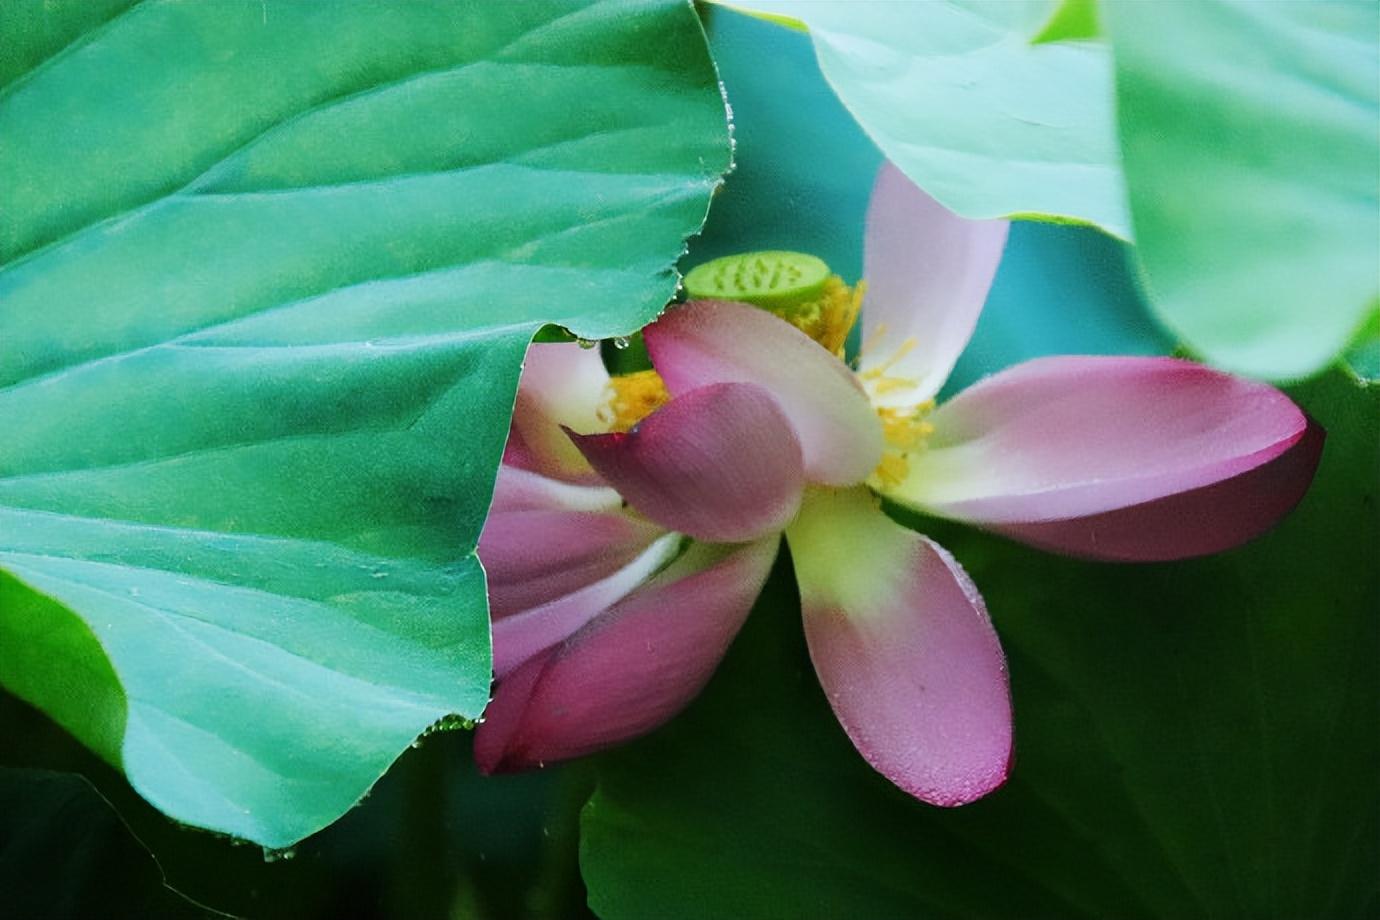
(269, 272)
(960, 98)
(1193, 740)
(1251, 134)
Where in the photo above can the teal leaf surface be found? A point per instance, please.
(267, 274)
(969, 107)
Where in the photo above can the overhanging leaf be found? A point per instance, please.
(803, 179)
(269, 272)
(1251, 134)
(1193, 740)
(958, 96)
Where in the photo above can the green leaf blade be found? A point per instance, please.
(258, 358)
(1252, 141)
(958, 97)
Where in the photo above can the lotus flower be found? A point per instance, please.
(636, 518)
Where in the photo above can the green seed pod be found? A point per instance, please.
(774, 280)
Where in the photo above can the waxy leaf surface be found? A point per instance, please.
(961, 99)
(267, 273)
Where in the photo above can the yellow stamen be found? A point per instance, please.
(905, 430)
(631, 398)
(829, 318)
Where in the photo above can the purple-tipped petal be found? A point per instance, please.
(562, 385)
(1198, 522)
(533, 557)
(629, 670)
(519, 636)
(705, 341)
(720, 463)
(904, 649)
(928, 272)
(1059, 438)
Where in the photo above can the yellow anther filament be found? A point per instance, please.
(830, 318)
(905, 430)
(631, 398)
(878, 379)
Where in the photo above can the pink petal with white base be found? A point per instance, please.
(519, 489)
(562, 385)
(1198, 522)
(1059, 438)
(518, 636)
(707, 341)
(533, 557)
(904, 650)
(928, 272)
(629, 670)
(720, 463)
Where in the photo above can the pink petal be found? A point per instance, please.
(1058, 438)
(629, 670)
(904, 649)
(519, 636)
(928, 272)
(720, 463)
(532, 557)
(562, 385)
(705, 341)
(1198, 522)
(518, 488)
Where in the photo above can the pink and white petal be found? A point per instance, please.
(629, 670)
(532, 557)
(720, 463)
(904, 649)
(1198, 522)
(928, 272)
(518, 489)
(1059, 438)
(562, 386)
(518, 636)
(709, 341)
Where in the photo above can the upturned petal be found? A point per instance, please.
(720, 463)
(1060, 438)
(562, 385)
(928, 272)
(628, 670)
(532, 557)
(1198, 522)
(904, 649)
(706, 341)
(523, 634)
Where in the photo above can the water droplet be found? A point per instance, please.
(586, 344)
(378, 574)
(620, 342)
(272, 856)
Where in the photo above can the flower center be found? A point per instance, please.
(801, 290)
(905, 427)
(905, 430)
(631, 398)
(797, 287)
